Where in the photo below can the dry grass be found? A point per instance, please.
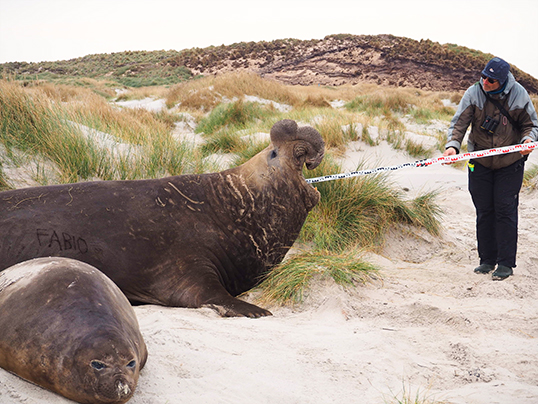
(157, 92)
(206, 93)
(71, 90)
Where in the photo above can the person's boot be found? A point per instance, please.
(484, 269)
(501, 273)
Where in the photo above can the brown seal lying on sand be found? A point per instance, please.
(189, 240)
(68, 328)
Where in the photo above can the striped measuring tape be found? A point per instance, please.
(432, 161)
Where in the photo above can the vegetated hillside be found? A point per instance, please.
(350, 59)
(334, 60)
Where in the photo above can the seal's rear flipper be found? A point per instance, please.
(233, 307)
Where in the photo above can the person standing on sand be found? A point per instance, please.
(500, 113)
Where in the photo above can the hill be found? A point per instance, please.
(334, 60)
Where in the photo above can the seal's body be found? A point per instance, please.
(68, 328)
(189, 240)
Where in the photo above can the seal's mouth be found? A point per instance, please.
(315, 162)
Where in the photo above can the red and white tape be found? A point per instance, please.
(429, 162)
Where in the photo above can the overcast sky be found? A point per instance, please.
(49, 30)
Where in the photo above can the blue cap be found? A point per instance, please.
(497, 69)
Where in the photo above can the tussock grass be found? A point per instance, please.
(335, 134)
(132, 125)
(288, 282)
(223, 142)
(529, 177)
(228, 122)
(337, 126)
(337, 130)
(417, 150)
(358, 211)
(36, 124)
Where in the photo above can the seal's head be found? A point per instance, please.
(108, 371)
(303, 145)
(277, 170)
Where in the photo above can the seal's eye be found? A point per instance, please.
(131, 364)
(98, 365)
(273, 154)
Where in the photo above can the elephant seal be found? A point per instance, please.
(68, 328)
(188, 241)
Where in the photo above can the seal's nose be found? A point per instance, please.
(122, 388)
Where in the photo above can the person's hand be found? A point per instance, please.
(449, 152)
(528, 151)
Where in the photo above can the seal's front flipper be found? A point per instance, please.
(202, 288)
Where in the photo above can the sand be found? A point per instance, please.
(427, 326)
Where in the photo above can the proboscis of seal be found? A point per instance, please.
(68, 328)
(189, 240)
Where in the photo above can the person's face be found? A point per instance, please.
(490, 84)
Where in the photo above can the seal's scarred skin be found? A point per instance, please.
(68, 328)
(187, 241)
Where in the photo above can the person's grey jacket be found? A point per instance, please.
(473, 110)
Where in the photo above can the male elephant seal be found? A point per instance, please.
(66, 327)
(189, 240)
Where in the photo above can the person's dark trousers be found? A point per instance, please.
(495, 195)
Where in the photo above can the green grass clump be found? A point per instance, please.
(288, 282)
(224, 125)
(235, 115)
(380, 103)
(224, 141)
(427, 114)
(406, 396)
(418, 150)
(358, 211)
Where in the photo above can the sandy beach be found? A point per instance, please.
(427, 326)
